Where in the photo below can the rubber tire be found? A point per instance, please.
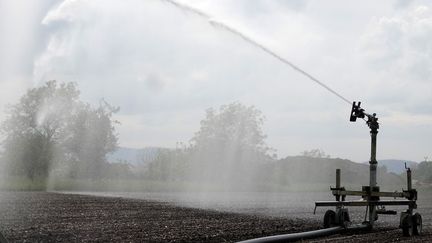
(346, 217)
(329, 219)
(407, 226)
(343, 219)
(417, 224)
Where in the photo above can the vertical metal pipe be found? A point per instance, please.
(338, 183)
(373, 162)
(409, 180)
(373, 172)
(338, 178)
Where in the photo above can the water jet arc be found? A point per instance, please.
(254, 43)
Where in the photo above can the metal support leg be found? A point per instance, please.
(373, 124)
(338, 182)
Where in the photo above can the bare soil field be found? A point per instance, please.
(55, 217)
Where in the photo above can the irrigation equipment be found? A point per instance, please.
(338, 220)
(410, 222)
(335, 221)
(306, 235)
(296, 236)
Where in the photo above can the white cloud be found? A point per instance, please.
(398, 50)
(401, 44)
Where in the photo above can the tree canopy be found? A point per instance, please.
(229, 146)
(234, 126)
(315, 153)
(50, 126)
(423, 172)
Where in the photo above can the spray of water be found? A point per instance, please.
(253, 42)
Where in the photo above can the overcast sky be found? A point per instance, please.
(164, 66)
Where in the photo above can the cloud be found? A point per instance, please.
(176, 63)
(164, 66)
(401, 44)
(403, 3)
(399, 51)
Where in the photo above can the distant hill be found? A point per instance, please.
(133, 156)
(301, 169)
(396, 166)
(295, 170)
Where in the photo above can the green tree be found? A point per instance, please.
(91, 136)
(229, 144)
(315, 153)
(167, 164)
(234, 126)
(40, 129)
(161, 167)
(423, 173)
(35, 126)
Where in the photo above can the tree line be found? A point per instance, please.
(52, 132)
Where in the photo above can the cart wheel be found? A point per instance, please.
(346, 217)
(342, 217)
(407, 225)
(417, 224)
(329, 219)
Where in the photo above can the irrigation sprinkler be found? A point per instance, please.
(338, 220)
(410, 222)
